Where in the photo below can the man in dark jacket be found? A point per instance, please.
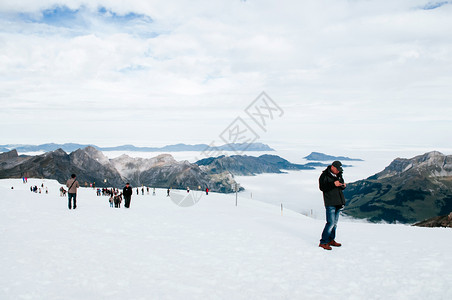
(331, 184)
(127, 193)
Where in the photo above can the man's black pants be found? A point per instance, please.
(127, 201)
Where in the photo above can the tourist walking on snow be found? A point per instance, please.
(117, 199)
(73, 185)
(111, 200)
(332, 184)
(127, 193)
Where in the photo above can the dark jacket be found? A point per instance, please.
(127, 191)
(332, 195)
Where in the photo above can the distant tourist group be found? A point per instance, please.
(115, 197)
(36, 189)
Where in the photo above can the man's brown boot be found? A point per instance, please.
(325, 246)
(334, 243)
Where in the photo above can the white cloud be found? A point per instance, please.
(182, 71)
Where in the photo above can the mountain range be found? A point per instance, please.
(248, 165)
(70, 147)
(317, 156)
(408, 190)
(92, 166)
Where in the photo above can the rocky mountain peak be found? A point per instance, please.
(407, 190)
(123, 156)
(92, 153)
(430, 164)
(133, 168)
(58, 152)
(91, 149)
(97, 155)
(8, 155)
(433, 154)
(428, 159)
(165, 159)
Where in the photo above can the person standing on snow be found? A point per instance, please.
(127, 193)
(73, 185)
(332, 184)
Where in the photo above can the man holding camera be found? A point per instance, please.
(331, 184)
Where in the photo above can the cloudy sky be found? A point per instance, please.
(343, 73)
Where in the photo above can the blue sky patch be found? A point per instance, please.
(59, 16)
(83, 20)
(434, 5)
(133, 68)
(108, 14)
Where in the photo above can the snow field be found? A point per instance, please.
(212, 250)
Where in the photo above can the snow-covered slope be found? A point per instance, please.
(213, 250)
